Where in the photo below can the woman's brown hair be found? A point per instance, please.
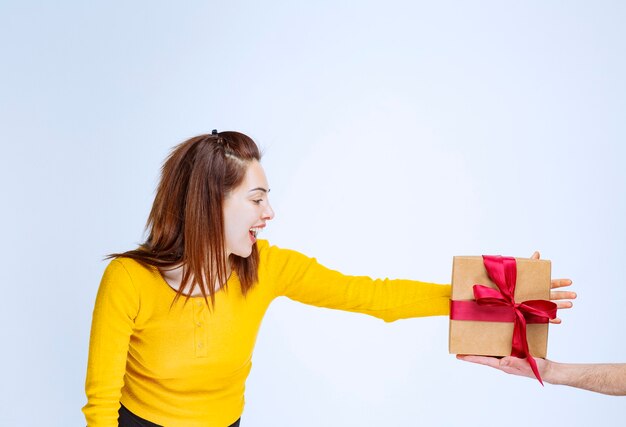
(186, 224)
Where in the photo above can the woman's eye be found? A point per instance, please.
(258, 201)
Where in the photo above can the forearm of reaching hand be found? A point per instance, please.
(609, 378)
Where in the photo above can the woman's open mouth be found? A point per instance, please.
(254, 232)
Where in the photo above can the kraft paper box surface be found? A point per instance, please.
(494, 338)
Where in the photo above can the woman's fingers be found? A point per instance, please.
(560, 305)
(560, 283)
(556, 296)
(561, 298)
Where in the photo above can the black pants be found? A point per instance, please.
(128, 419)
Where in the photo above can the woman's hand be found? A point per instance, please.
(557, 297)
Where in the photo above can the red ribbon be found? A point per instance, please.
(498, 305)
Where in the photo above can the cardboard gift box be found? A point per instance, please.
(494, 338)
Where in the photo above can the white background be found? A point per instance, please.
(396, 135)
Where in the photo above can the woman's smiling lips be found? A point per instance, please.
(254, 231)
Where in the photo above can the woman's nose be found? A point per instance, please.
(268, 213)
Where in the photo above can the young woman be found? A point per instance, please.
(175, 321)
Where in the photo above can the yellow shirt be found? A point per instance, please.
(186, 365)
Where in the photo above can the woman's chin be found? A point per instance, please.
(244, 253)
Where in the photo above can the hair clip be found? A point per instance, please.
(214, 132)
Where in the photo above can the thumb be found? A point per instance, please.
(505, 362)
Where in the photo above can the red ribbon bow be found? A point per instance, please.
(499, 305)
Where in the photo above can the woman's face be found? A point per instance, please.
(246, 211)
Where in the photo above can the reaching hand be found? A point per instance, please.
(607, 378)
(511, 365)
